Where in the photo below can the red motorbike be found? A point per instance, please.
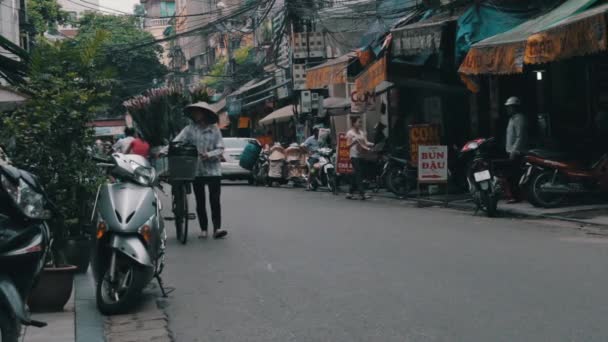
(552, 177)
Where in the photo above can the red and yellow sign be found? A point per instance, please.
(324, 76)
(578, 38)
(372, 77)
(344, 165)
(500, 59)
(244, 122)
(423, 134)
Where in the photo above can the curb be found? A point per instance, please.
(89, 322)
(462, 206)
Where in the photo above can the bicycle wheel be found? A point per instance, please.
(180, 210)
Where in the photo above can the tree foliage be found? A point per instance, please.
(136, 69)
(44, 15)
(51, 136)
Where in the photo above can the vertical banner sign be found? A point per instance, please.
(344, 166)
(423, 134)
(432, 164)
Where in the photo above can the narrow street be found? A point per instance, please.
(302, 266)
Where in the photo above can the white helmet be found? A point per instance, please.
(513, 101)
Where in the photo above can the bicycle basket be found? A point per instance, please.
(183, 161)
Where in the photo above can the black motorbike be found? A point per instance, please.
(398, 175)
(25, 240)
(484, 181)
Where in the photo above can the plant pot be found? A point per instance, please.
(53, 290)
(77, 252)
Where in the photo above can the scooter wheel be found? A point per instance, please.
(118, 302)
(10, 328)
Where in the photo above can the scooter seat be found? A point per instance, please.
(549, 154)
(12, 238)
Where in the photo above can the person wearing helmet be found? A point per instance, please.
(312, 144)
(204, 133)
(516, 144)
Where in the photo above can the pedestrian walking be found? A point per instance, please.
(358, 145)
(139, 146)
(123, 144)
(207, 137)
(516, 146)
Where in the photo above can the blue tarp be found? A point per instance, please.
(485, 20)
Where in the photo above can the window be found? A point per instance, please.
(167, 9)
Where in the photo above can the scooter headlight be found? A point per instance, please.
(145, 175)
(26, 198)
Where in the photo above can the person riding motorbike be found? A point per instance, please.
(312, 144)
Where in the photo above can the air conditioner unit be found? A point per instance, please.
(306, 101)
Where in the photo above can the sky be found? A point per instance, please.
(122, 5)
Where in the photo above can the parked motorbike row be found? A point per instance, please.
(295, 164)
(128, 250)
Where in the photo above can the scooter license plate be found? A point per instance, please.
(482, 176)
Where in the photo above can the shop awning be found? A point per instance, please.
(336, 103)
(504, 53)
(331, 72)
(372, 77)
(422, 37)
(578, 35)
(280, 115)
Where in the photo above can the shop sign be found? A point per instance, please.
(244, 122)
(344, 165)
(423, 134)
(433, 164)
(324, 76)
(579, 38)
(409, 42)
(109, 131)
(372, 77)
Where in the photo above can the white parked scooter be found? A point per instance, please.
(130, 245)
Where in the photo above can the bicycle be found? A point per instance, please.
(182, 166)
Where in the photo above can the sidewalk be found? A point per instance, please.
(78, 322)
(589, 214)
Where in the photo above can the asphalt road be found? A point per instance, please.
(301, 266)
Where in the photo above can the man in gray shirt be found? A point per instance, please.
(516, 145)
(517, 130)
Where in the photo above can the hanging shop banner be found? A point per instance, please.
(423, 134)
(432, 164)
(372, 77)
(580, 38)
(323, 76)
(500, 59)
(344, 165)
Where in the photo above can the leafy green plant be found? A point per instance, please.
(51, 133)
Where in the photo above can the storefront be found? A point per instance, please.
(555, 63)
(426, 83)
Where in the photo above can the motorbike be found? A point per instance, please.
(322, 171)
(130, 240)
(552, 177)
(25, 241)
(484, 184)
(399, 176)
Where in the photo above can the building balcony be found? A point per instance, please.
(156, 22)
